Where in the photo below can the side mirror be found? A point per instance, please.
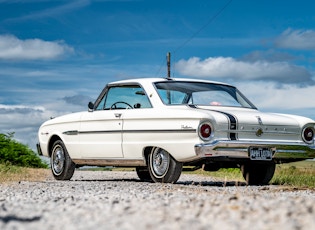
(91, 106)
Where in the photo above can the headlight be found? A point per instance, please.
(308, 135)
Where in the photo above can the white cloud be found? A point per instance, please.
(25, 120)
(296, 39)
(268, 96)
(12, 48)
(230, 68)
(20, 109)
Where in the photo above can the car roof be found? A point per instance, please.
(153, 80)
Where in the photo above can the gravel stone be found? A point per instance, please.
(118, 200)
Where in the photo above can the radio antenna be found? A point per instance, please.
(168, 60)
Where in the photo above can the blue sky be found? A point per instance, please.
(55, 56)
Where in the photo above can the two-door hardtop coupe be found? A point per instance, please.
(159, 125)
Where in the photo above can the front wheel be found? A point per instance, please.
(163, 167)
(62, 166)
(258, 173)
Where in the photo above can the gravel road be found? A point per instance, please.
(118, 200)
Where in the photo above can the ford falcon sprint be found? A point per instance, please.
(159, 125)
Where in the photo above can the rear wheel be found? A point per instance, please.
(62, 166)
(258, 173)
(163, 167)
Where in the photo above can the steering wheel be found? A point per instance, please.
(114, 106)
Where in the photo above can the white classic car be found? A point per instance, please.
(159, 125)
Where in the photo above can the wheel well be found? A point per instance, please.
(52, 140)
(147, 150)
(146, 153)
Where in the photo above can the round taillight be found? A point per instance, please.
(205, 131)
(308, 134)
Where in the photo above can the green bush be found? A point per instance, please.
(14, 153)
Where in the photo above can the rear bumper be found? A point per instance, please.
(240, 149)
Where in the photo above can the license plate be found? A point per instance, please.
(260, 153)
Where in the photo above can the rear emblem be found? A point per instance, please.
(259, 132)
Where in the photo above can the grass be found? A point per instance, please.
(230, 174)
(299, 174)
(11, 173)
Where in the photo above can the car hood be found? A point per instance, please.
(72, 117)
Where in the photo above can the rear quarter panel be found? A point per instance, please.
(170, 129)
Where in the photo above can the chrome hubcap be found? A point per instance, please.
(160, 162)
(58, 160)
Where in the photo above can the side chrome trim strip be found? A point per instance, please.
(75, 132)
(71, 132)
(162, 131)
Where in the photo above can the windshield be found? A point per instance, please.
(201, 93)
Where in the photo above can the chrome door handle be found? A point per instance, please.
(117, 115)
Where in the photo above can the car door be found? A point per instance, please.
(101, 131)
(101, 134)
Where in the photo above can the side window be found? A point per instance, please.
(170, 97)
(124, 97)
(214, 97)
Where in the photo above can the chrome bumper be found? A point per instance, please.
(240, 149)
